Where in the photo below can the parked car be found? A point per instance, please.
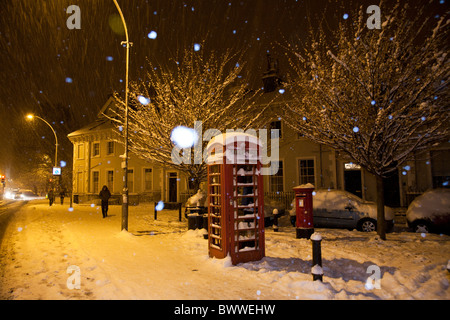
(342, 209)
(430, 212)
(26, 195)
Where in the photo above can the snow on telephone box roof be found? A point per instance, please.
(246, 150)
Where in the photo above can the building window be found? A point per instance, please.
(148, 179)
(110, 180)
(95, 181)
(306, 171)
(276, 125)
(96, 149)
(130, 182)
(440, 168)
(110, 147)
(276, 180)
(80, 151)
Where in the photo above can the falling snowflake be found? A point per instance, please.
(159, 206)
(143, 100)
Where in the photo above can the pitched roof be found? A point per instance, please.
(97, 125)
(101, 123)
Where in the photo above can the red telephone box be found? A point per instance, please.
(304, 211)
(235, 198)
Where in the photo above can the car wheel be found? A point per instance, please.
(368, 225)
(421, 227)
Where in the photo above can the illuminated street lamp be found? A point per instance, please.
(31, 117)
(125, 156)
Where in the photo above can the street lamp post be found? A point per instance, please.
(31, 117)
(125, 156)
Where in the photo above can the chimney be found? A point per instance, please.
(270, 78)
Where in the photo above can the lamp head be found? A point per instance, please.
(30, 116)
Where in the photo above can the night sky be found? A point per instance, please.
(65, 76)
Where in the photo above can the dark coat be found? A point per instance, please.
(105, 194)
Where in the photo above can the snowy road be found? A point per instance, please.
(162, 260)
(7, 210)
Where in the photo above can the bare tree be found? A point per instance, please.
(377, 95)
(204, 87)
(38, 176)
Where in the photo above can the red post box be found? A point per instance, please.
(235, 198)
(304, 211)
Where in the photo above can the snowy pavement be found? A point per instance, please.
(44, 247)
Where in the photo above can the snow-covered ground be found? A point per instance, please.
(163, 260)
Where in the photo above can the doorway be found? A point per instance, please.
(352, 180)
(173, 183)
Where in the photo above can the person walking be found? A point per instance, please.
(104, 196)
(61, 196)
(50, 196)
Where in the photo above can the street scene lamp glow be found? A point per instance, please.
(184, 137)
(31, 116)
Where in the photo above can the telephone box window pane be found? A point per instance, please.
(214, 169)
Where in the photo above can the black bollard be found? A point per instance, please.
(316, 269)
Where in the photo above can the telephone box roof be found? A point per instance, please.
(249, 152)
(230, 137)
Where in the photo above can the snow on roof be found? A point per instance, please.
(97, 125)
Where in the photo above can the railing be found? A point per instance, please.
(184, 196)
(284, 198)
